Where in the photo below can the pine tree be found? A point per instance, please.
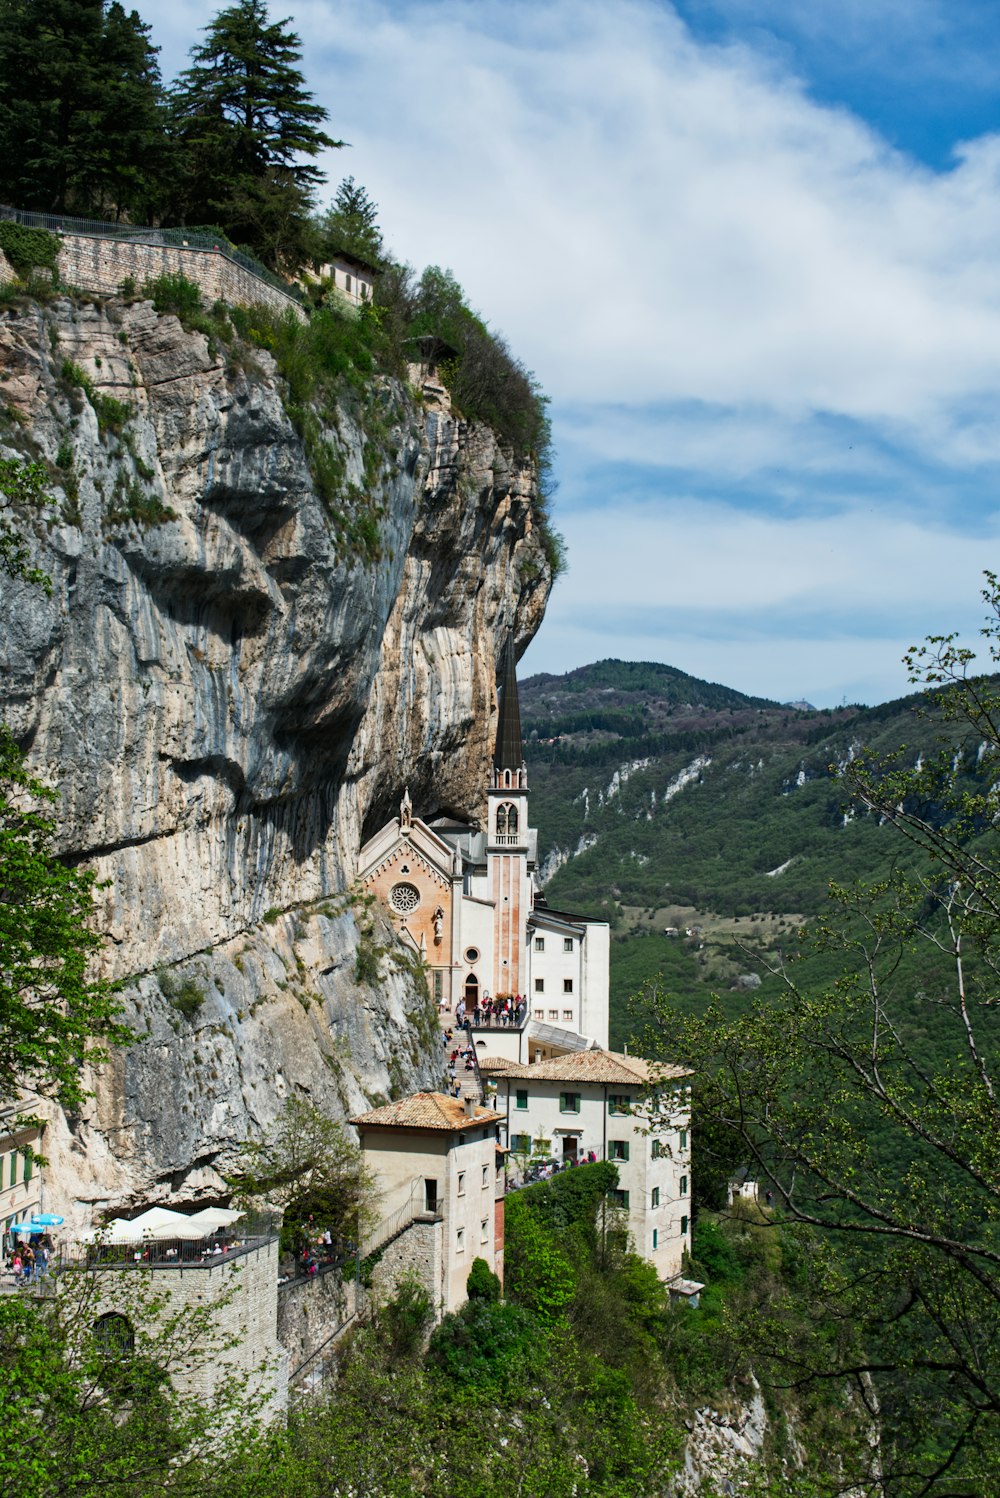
(81, 126)
(246, 120)
(351, 223)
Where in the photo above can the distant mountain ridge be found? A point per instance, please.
(665, 801)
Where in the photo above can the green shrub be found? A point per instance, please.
(186, 995)
(406, 1317)
(64, 457)
(489, 1346)
(174, 293)
(111, 414)
(482, 1283)
(272, 915)
(27, 249)
(130, 501)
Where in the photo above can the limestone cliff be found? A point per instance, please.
(228, 693)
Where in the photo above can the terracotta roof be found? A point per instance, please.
(599, 1066)
(495, 1064)
(426, 1110)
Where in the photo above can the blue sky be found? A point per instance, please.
(751, 248)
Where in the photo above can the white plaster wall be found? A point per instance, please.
(595, 981)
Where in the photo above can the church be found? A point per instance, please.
(533, 980)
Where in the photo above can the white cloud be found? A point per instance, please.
(707, 270)
(821, 607)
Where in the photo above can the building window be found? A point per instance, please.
(521, 1098)
(655, 1199)
(471, 991)
(620, 1198)
(553, 1014)
(567, 944)
(539, 985)
(486, 1176)
(684, 1139)
(567, 1014)
(460, 1241)
(461, 1183)
(539, 943)
(539, 1013)
(684, 1226)
(438, 986)
(472, 954)
(404, 898)
(617, 1149)
(28, 1162)
(12, 1178)
(347, 281)
(569, 1102)
(684, 1185)
(114, 1336)
(657, 1149)
(617, 1103)
(567, 985)
(430, 1195)
(656, 1238)
(521, 1144)
(484, 1232)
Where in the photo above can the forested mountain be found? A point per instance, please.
(668, 803)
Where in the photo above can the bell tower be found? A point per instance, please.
(510, 886)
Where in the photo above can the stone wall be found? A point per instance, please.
(310, 1311)
(100, 265)
(419, 1250)
(237, 1346)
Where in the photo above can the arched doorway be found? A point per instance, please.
(471, 992)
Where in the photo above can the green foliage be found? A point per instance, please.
(351, 224)
(405, 1317)
(52, 1013)
(28, 249)
(308, 1164)
(173, 292)
(22, 491)
(245, 120)
(272, 915)
(131, 502)
(185, 994)
(490, 1346)
(482, 1283)
(875, 1120)
(112, 414)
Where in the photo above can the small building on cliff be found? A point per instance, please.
(439, 1168)
(619, 1108)
(533, 981)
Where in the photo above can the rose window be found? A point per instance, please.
(404, 898)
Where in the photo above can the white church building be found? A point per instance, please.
(466, 899)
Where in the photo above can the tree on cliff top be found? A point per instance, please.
(245, 120)
(864, 1130)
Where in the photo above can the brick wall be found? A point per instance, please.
(100, 265)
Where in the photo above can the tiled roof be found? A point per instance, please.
(495, 1064)
(426, 1110)
(599, 1066)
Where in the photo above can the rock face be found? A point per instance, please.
(229, 692)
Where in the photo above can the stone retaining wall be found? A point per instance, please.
(100, 265)
(310, 1311)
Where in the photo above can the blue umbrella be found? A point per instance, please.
(47, 1220)
(27, 1227)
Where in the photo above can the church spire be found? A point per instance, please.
(508, 753)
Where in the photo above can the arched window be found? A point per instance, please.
(114, 1335)
(471, 991)
(512, 819)
(501, 820)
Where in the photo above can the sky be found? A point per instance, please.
(751, 251)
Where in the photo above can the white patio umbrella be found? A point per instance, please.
(216, 1217)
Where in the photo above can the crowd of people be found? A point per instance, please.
(506, 1011)
(28, 1262)
(458, 1055)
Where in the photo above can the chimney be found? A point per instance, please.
(470, 1107)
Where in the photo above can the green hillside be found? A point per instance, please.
(664, 802)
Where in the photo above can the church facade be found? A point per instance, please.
(465, 898)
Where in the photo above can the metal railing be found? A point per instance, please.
(390, 1227)
(175, 238)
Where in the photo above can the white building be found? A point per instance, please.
(599, 1101)
(352, 278)
(464, 897)
(439, 1169)
(20, 1175)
